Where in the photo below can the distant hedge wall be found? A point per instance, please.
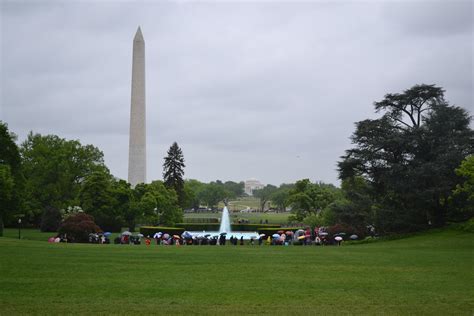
(215, 227)
(151, 230)
(200, 220)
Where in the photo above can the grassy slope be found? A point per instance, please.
(429, 274)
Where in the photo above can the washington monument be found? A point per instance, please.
(137, 145)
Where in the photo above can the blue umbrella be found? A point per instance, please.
(107, 234)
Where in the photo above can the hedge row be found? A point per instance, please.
(151, 230)
(215, 227)
(199, 220)
(181, 227)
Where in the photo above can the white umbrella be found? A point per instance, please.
(354, 237)
(140, 235)
(157, 235)
(338, 238)
(127, 233)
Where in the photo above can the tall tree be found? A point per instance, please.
(54, 169)
(96, 198)
(408, 156)
(264, 195)
(167, 207)
(11, 176)
(173, 172)
(308, 198)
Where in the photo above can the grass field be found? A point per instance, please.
(430, 274)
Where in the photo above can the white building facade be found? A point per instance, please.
(251, 185)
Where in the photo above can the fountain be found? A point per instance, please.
(225, 221)
(225, 227)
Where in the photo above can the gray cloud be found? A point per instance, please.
(248, 89)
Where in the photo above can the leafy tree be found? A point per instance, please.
(464, 192)
(281, 197)
(408, 157)
(11, 176)
(96, 198)
(192, 189)
(6, 193)
(54, 169)
(355, 206)
(173, 171)
(50, 220)
(264, 195)
(311, 198)
(212, 194)
(122, 195)
(235, 189)
(167, 206)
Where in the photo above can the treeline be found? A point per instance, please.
(47, 177)
(410, 169)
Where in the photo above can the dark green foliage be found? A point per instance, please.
(167, 204)
(96, 198)
(151, 230)
(264, 195)
(215, 227)
(355, 206)
(78, 226)
(6, 193)
(11, 178)
(408, 157)
(281, 197)
(199, 226)
(347, 229)
(212, 194)
(199, 220)
(54, 169)
(50, 220)
(308, 198)
(173, 172)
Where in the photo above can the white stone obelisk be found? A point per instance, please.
(137, 146)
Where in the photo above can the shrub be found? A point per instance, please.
(468, 226)
(50, 220)
(344, 228)
(151, 230)
(78, 227)
(198, 227)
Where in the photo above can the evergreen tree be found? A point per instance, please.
(408, 157)
(173, 172)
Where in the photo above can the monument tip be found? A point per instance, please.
(138, 35)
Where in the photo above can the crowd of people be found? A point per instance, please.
(284, 238)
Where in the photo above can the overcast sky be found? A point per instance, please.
(255, 89)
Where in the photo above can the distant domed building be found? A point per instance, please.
(251, 185)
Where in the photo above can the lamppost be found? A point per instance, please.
(19, 228)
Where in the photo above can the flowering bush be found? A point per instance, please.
(77, 227)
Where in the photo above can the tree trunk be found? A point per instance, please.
(131, 226)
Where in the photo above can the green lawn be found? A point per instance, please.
(430, 274)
